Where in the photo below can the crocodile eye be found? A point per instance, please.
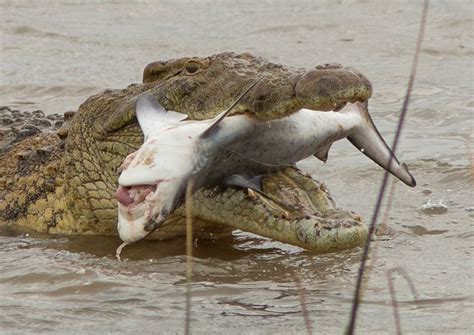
(164, 213)
(192, 67)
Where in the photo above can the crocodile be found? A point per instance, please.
(64, 181)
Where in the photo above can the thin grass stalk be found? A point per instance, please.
(405, 275)
(304, 309)
(374, 250)
(393, 298)
(357, 293)
(189, 254)
(394, 303)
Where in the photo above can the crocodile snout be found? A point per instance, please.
(331, 86)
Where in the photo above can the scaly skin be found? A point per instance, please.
(65, 183)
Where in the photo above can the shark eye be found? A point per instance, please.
(192, 67)
(164, 213)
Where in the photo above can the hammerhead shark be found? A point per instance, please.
(233, 150)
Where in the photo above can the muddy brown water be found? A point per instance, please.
(54, 54)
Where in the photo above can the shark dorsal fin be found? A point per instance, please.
(152, 115)
(218, 119)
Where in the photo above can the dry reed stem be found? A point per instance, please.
(304, 309)
(356, 302)
(393, 298)
(388, 207)
(394, 302)
(374, 250)
(410, 282)
(189, 254)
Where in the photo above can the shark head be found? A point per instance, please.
(144, 199)
(154, 178)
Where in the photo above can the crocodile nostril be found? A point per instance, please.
(123, 196)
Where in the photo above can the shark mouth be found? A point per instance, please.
(135, 207)
(132, 196)
(136, 203)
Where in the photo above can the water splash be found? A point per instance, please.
(434, 208)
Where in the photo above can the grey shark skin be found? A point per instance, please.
(233, 148)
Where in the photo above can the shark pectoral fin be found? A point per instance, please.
(152, 115)
(322, 154)
(368, 140)
(245, 181)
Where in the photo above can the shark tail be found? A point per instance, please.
(368, 140)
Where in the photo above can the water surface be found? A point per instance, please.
(56, 54)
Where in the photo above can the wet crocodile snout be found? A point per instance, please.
(331, 86)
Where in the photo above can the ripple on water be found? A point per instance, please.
(54, 57)
(33, 32)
